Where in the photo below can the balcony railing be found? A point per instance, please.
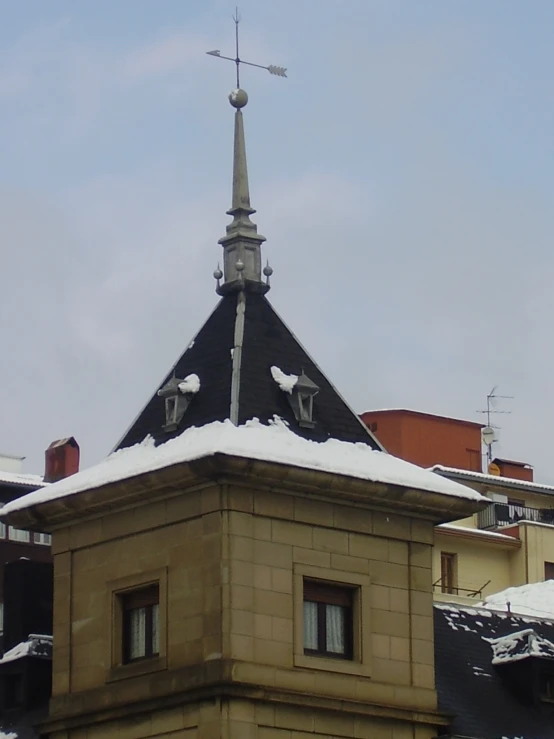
(504, 514)
(440, 587)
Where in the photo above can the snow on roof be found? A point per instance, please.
(492, 479)
(285, 382)
(536, 599)
(11, 735)
(520, 645)
(191, 384)
(36, 645)
(14, 478)
(272, 443)
(477, 532)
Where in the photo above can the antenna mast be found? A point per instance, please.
(488, 434)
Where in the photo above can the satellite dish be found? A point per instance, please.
(488, 435)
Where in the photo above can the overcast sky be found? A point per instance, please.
(403, 176)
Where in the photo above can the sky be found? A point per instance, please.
(403, 176)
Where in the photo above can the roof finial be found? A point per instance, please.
(242, 243)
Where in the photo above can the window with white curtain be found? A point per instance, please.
(2, 530)
(19, 535)
(141, 614)
(328, 619)
(43, 539)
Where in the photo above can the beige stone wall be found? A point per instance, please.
(246, 719)
(230, 562)
(276, 540)
(128, 549)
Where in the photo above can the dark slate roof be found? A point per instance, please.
(23, 724)
(267, 341)
(488, 701)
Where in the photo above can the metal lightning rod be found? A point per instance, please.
(271, 68)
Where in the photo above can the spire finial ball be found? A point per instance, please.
(238, 98)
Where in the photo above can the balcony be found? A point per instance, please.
(463, 593)
(504, 514)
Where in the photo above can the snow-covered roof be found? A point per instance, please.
(36, 645)
(520, 645)
(479, 532)
(254, 440)
(535, 599)
(493, 480)
(14, 478)
(475, 693)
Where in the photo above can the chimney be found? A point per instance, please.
(513, 469)
(61, 459)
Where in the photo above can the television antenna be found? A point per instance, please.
(488, 433)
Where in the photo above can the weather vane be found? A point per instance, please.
(272, 69)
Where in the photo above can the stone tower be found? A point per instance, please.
(249, 564)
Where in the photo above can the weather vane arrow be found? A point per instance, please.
(271, 68)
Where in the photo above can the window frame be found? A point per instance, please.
(449, 573)
(14, 692)
(325, 594)
(117, 590)
(148, 598)
(360, 585)
(546, 686)
(12, 536)
(38, 540)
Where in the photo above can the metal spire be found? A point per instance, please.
(242, 262)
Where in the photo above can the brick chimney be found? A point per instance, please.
(513, 469)
(61, 459)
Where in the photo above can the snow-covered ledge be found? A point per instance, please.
(272, 453)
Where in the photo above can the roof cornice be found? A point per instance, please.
(222, 468)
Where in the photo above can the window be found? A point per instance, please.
(549, 570)
(1, 617)
(19, 534)
(449, 564)
(43, 539)
(13, 695)
(2, 530)
(547, 687)
(141, 623)
(328, 623)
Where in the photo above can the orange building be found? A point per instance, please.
(426, 440)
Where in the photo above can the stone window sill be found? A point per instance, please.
(344, 666)
(136, 669)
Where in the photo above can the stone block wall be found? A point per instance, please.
(230, 562)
